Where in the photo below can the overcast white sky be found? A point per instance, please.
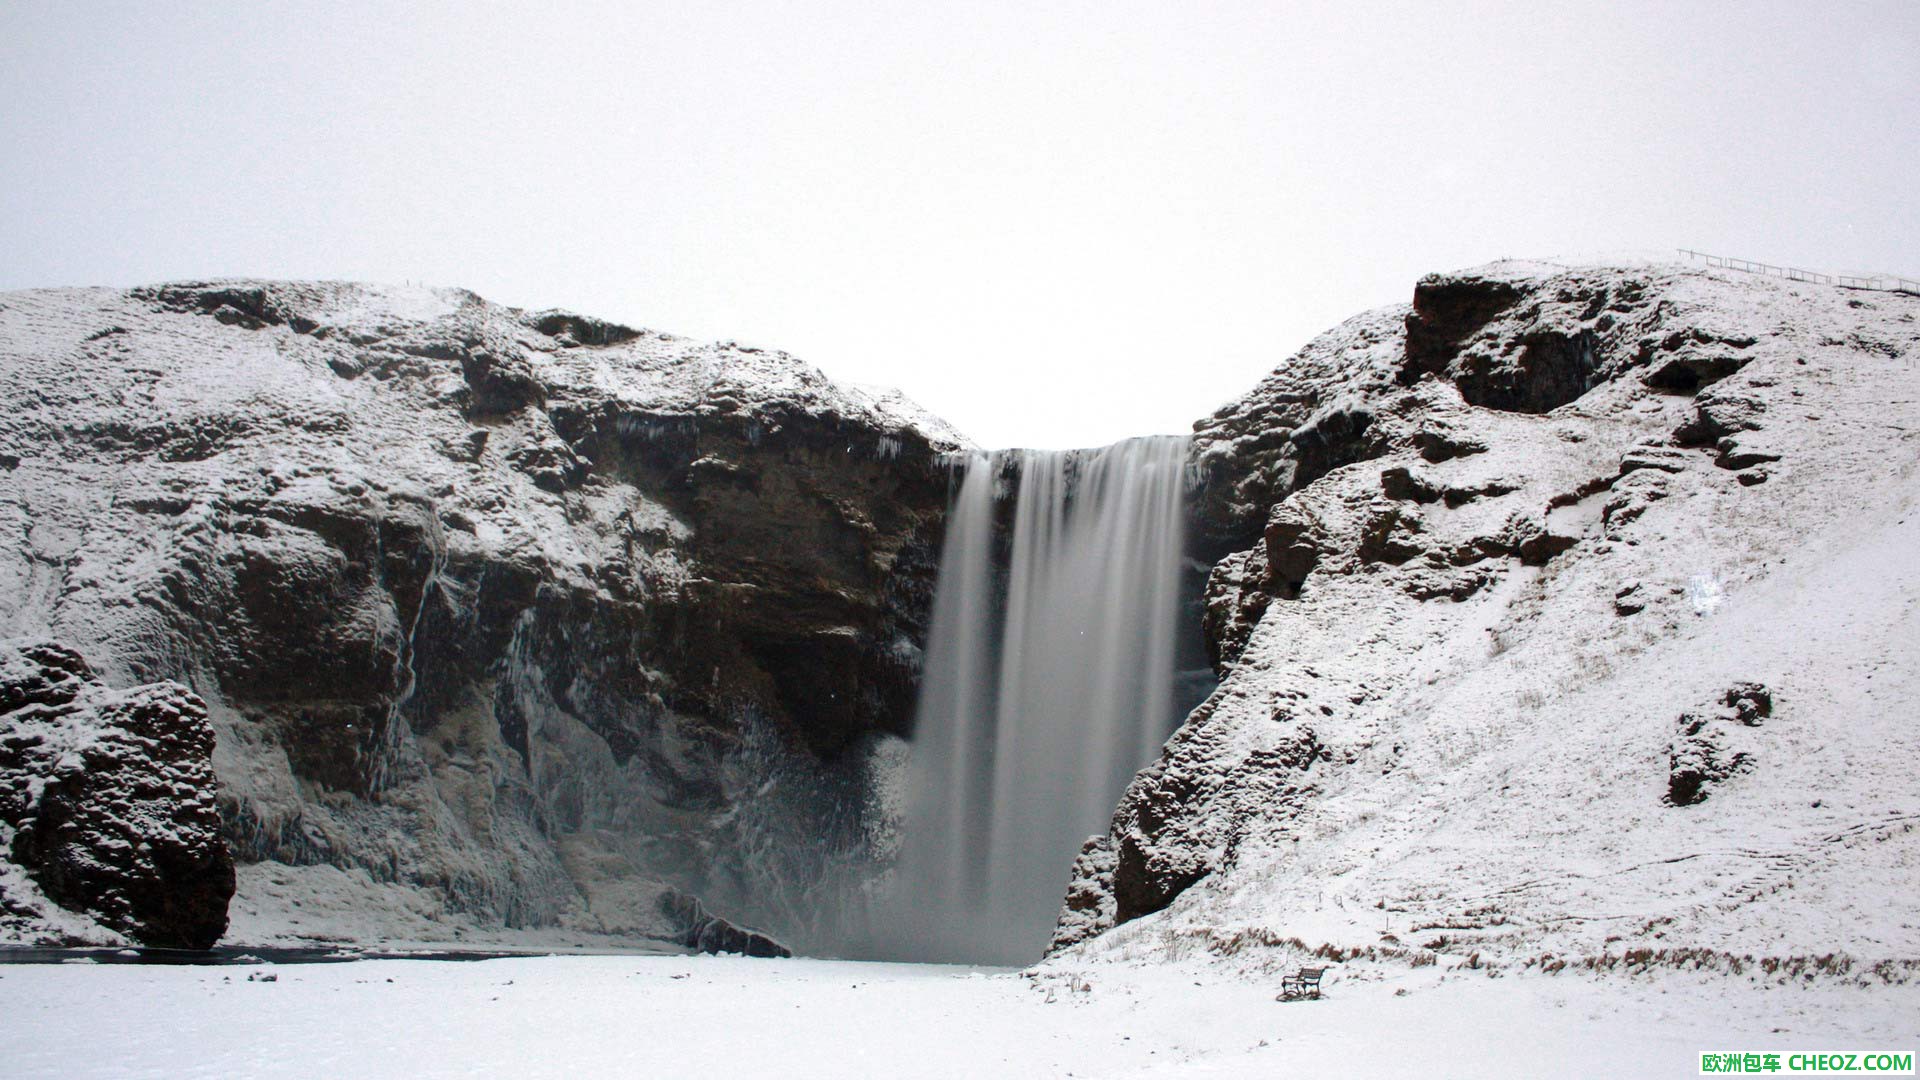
(1053, 224)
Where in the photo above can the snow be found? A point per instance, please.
(573, 1016)
(893, 403)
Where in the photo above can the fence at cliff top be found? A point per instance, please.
(1878, 282)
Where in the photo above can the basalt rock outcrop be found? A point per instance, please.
(1706, 748)
(503, 621)
(106, 803)
(1471, 557)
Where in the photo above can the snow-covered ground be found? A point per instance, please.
(701, 1016)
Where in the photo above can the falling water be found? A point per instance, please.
(1048, 683)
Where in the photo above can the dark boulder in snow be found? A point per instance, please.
(1707, 749)
(107, 797)
(706, 932)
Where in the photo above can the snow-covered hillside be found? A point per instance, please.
(1570, 614)
(504, 621)
(1565, 615)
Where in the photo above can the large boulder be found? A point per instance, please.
(107, 799)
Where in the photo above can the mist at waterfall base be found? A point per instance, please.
(1049, 681)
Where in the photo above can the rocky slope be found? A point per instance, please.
(499, 620)
(1568, 613)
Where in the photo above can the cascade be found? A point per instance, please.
(1049, 681)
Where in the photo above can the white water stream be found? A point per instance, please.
(1048, 683)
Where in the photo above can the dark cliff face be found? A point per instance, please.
(518, 620)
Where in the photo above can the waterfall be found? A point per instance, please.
(1049, 681)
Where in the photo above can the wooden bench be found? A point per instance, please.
(1302, 983)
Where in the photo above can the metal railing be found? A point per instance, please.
(1878, 282)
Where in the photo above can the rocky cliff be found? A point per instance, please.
(498, 620)
(1567, 613)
